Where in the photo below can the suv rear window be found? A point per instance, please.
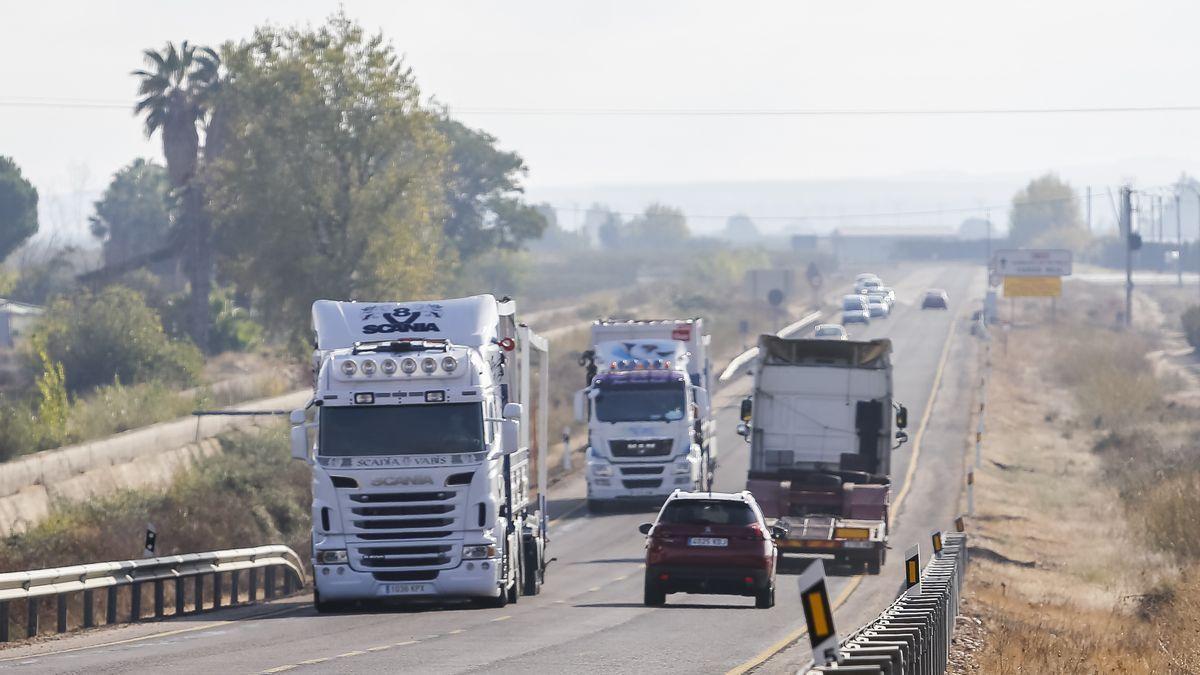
(705, 512)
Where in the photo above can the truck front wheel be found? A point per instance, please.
(533, 569)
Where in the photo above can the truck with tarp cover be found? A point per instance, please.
(821, 425)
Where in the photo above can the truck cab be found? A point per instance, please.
(650, 426)
(420, 485)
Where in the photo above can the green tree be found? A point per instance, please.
(112, 335)
(658, 225)
(18, 207)
(1046, 210)
(177, 91)
(331, 180)
(483, 191)
(133, 216)
(740, 227)
(605, 223)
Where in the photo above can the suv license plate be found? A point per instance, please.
(708, 541)
(405, 589)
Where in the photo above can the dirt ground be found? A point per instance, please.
(1059, 580)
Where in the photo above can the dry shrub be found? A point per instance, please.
(251, 494)
(1168, 515)
(1108, 372)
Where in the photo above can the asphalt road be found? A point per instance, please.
(589, 617)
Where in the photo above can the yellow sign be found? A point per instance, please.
(1032, 287)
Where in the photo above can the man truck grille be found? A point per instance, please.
(643, 483)
(657, 447)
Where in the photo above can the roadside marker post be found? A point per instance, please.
(818, 614)
(960, 525)
(936, 537)
(912, 570)
(971, 493)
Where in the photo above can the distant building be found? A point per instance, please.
(880, 244)
(16, 320)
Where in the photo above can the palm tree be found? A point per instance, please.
(176, 93)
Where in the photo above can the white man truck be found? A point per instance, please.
(820, 426)
(650, 426)
(421, 483)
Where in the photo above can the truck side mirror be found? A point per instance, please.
(510, 435)
(901, 438)
(581, 405)
(902, 418)
(644, 528)
(747, 409)
(299, 439)
(702, 402)
(298, 416)
(513, 411)
(743, 429)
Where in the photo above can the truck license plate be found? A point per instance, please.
(405, 589)
(858, 544)
(708, 541)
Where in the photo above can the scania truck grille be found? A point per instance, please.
(404, 533)
(656, 447)
(405, 556)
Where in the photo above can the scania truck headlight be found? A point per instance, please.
(335, 556)
(479, 552)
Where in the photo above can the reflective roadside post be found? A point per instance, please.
(971, 493)
(818, 614)
(912, 570)
(936, 538)
(960, 525)
(566, 439)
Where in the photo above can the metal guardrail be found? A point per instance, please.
(913, 635)
(63, 583)
(747, 356)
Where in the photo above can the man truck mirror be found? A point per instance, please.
(701, 395)
(902, 418)
(513, 411)
(747, 409)
(901, 438)
(743, 429)
(298, 416)
(510, 434)
(299, 438)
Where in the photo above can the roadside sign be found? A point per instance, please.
(912, 569)
(1032, 287)
(818, 614)
(1031, 262)
(151, 541)
(936, 536)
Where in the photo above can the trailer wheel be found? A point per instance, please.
(875, 563)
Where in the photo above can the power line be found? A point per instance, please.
(46, 102)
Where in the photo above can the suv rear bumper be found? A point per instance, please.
(716, 580)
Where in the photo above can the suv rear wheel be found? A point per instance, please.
(765, 599)
(653, 596)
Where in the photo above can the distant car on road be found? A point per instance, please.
(855, 310)
(878, 308)
(830, 331)
(935, 298)
(889, 294)
(710, 542)
(867, 285)
(864, 276)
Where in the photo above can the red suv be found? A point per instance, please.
(710, 542)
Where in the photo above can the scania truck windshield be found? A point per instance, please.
(442, 428)
(641, 403)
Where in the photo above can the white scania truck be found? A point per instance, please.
(421, 484)
(646, 404)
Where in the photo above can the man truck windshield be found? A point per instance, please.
(442, 428)
(645, 403)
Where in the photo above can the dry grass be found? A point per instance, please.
(1090, 475)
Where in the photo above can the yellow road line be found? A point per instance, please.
(143, 638)
(406, 643)
(353, 653)
(506, 617)
(313, 662)
(379, 648)
(758, 659)
(457, 631)
(280, 669)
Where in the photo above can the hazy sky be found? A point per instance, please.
(800, 54)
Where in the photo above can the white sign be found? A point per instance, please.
(1032, 262)
(818, 613)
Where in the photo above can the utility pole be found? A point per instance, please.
(1178, 242)
(987, 215)
(1127, 231)
(1089, 209)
